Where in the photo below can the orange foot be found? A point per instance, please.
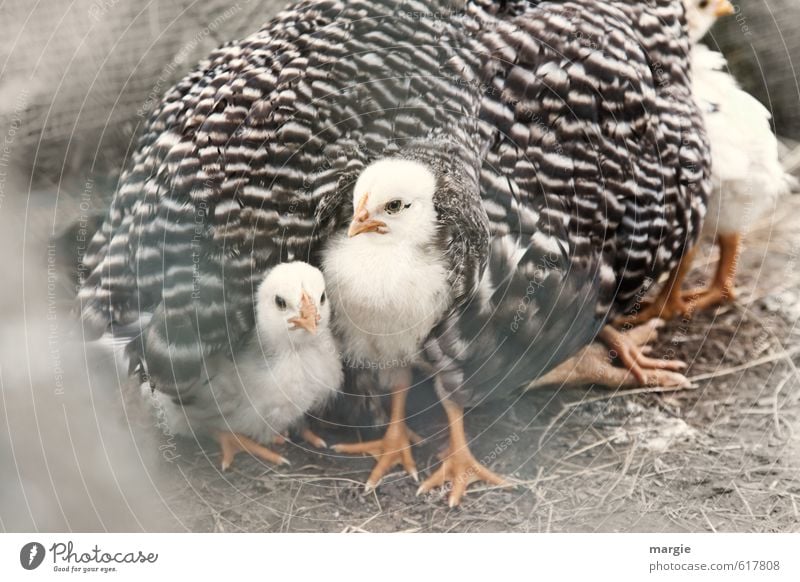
(721, 289)
(391, 450)
(307, 435)
(669, 302)
(459, 467)
(313, 439)
(233, 443)
(713, 295)
(663, 307)
(627, 348)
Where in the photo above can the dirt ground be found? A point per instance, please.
(723, 456)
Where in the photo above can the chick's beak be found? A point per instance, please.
(309, 316)
(362, 222)
(724, 8)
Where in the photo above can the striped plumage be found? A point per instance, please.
(243, 164)
(576, 116)
(594, 182)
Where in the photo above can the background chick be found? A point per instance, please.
(747, 176)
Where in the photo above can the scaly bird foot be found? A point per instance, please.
(461, 469)
(391, 450)
(592, 365)
(313, 439)
(674, 306)
(722, 287)
(700, 299)
(233, 443)
(627, 348)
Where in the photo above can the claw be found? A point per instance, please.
(391, 450)
(459, 467)
(625, 348)
(592, 366)
(313, 439)
(233, 443)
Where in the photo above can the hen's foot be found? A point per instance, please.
(664, 308)
(721, 290)
(627, 349)
(592, 366)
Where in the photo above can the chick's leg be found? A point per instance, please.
(395, 446)
(233, 443)
(459, 467)
(721, 290)
(670, 301)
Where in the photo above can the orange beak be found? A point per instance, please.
(724, 8)
(362, 222)
(309, 317)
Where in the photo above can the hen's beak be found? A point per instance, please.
(309, 317)
(362, 222)
(724, 8)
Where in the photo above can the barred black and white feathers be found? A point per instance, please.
(242, 165)
(599, 133)
(595, 183)
(575, 118)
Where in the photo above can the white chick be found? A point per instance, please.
(289, 366)
(746, 173)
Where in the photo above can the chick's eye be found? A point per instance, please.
(322, 299)
(394, 206)
(703, 3)
(280, 302)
